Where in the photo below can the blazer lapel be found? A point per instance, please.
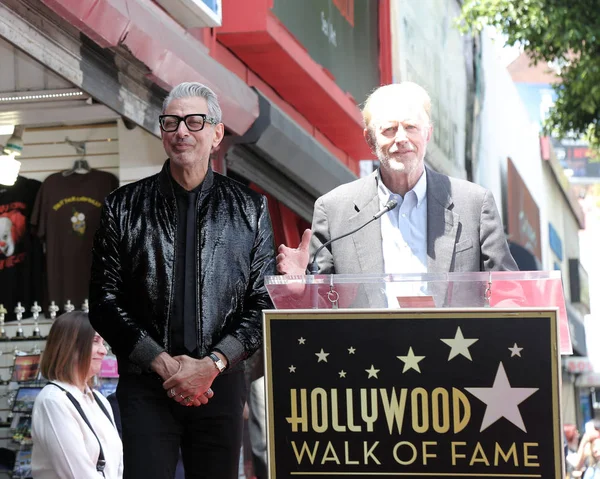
(442, 225)
(367, 241)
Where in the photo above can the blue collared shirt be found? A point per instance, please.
(404, 229)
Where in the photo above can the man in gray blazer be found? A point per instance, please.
(440, 225)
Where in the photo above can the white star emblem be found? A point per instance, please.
(322, 356)
(502, 401)
(292, 369)
(372, 372)
(411, 361)
(351, 350)
(301, 340)
(515, 351)
(459, 345)
(342, 374)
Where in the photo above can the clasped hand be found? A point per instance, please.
(191, 384)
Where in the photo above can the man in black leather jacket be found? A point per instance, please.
(177, 290)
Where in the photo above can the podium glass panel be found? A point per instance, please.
(503, 289)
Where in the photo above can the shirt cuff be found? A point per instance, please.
(145, 352)
(232, 349)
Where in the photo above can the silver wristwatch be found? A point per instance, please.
(218, 362)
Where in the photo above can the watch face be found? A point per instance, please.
(218, 362)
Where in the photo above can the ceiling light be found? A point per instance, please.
(14, 145)
(42, 95)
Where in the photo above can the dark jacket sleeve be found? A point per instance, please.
(107, 314)
(242, 342)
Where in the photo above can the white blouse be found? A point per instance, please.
(64, 446)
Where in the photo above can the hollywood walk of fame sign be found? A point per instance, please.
(407, 393)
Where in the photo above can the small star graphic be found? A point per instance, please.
(301, 340)
(459, 345)
(501, 400)
(411, 361)
(372, 372)
(322, 356)
(351, 350)
(292, 369)
(342, 374)
(515, 351)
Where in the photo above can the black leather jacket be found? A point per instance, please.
(132, 280)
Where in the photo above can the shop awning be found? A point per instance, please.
(135, 47)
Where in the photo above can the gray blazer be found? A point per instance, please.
(464, 229)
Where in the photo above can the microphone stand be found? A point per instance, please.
(313, 268)
(314, 290)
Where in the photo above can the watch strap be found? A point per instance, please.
(220, 365)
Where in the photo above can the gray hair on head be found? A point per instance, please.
(195, 89)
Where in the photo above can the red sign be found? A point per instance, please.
(579, 365)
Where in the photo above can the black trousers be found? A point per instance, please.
(155, 428)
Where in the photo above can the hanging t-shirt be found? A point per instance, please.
(21, 260)
(66, 215)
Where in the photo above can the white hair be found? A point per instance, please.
(195, 89)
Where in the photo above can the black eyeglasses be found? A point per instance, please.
(194, 122)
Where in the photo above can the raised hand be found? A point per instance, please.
(294, 260)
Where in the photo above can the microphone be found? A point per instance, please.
(390, 205)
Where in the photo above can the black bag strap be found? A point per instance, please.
(100, 465)
(102, 407)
